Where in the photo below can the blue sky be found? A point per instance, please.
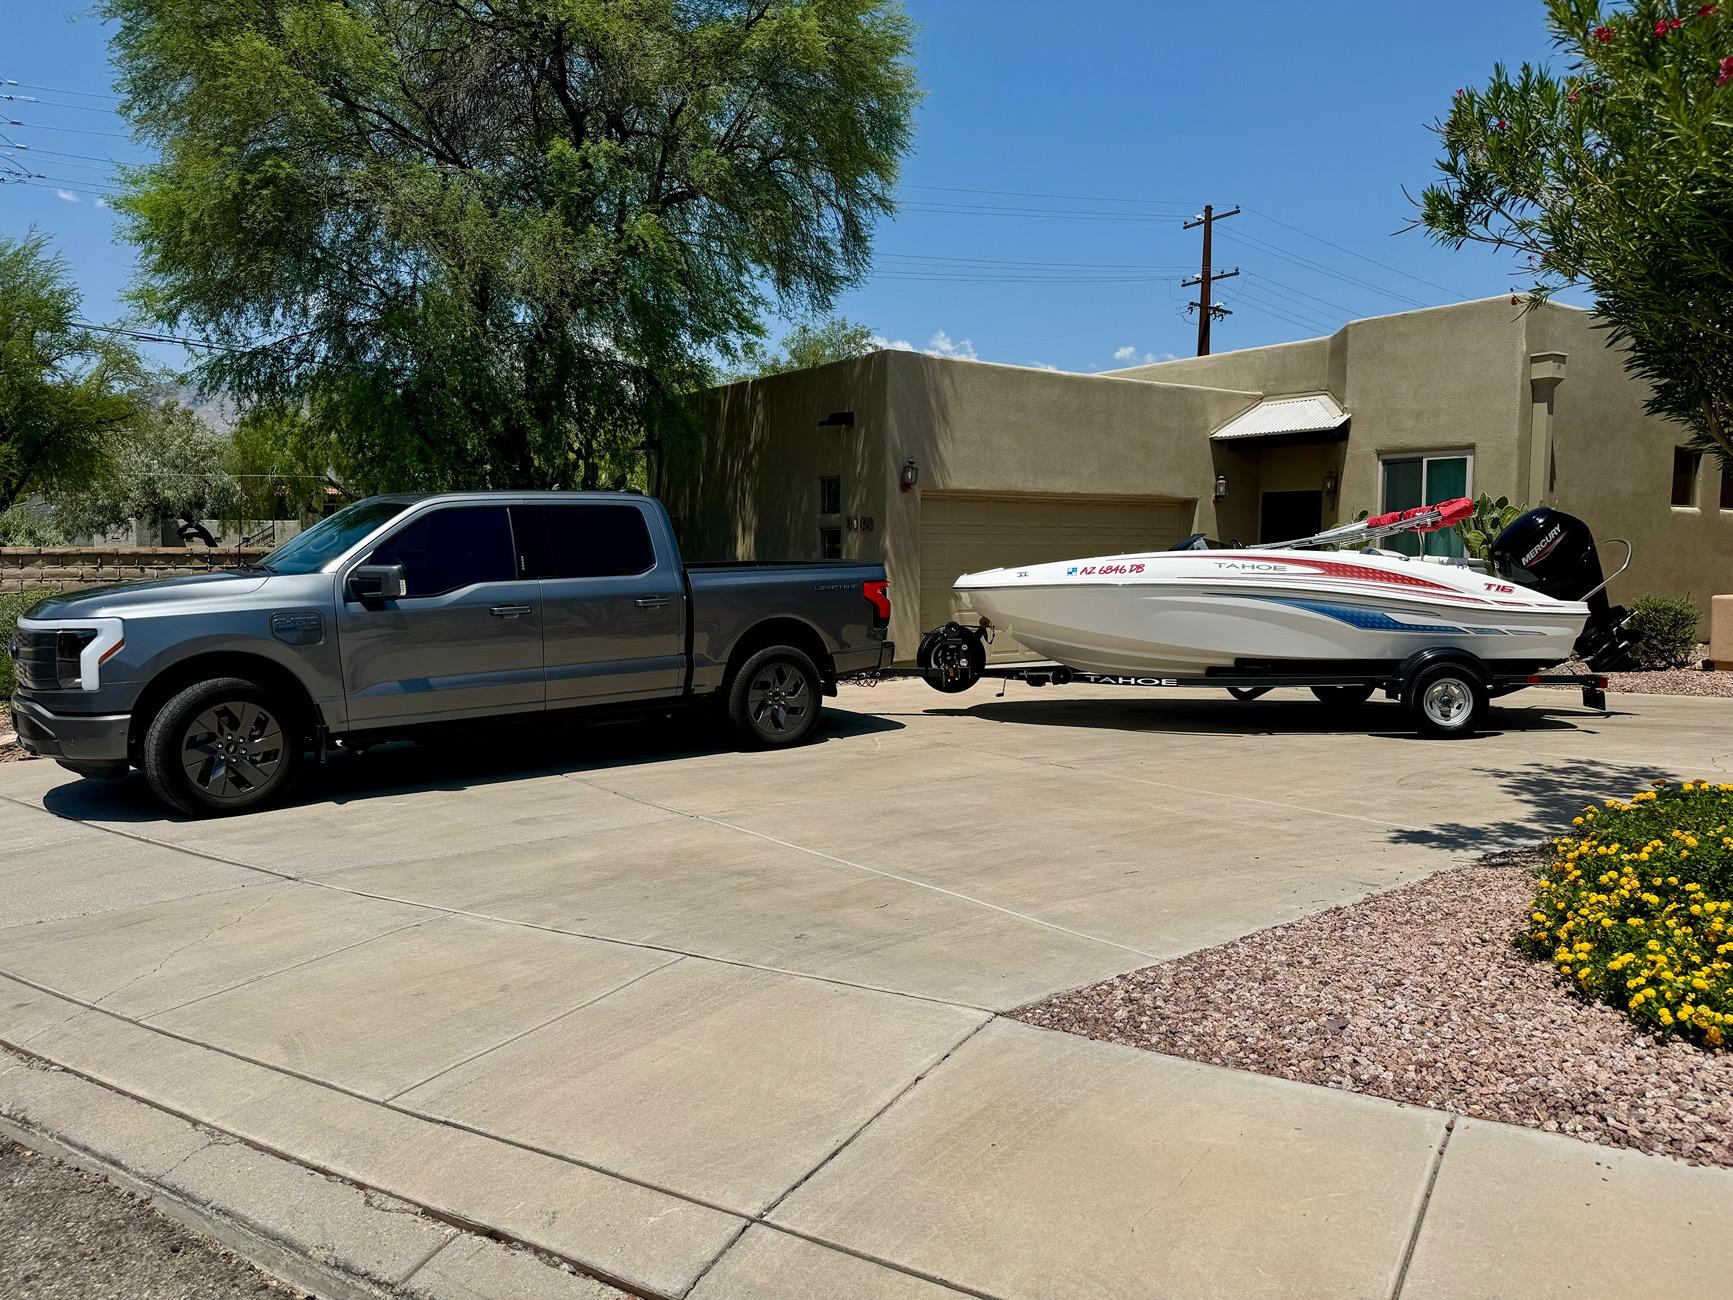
(1310, 116)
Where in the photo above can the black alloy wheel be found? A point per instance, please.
(221, 746)
(774, 699)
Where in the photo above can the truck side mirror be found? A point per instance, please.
(371, 582)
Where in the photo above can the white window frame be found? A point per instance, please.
(1426, 458)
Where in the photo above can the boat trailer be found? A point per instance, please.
(1445, 690)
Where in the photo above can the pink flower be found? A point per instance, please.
(1726, 71)
(1666, 25)
(1703, 11)
(1498, 125)
(1603, 34)
(1513, 300)
(1574, 95)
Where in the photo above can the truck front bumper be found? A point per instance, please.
(91, 744)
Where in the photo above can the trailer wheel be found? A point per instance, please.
(1446, 700)
(1342, 697)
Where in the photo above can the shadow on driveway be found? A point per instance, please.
(467, 759)
(1141, 712)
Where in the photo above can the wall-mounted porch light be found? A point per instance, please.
(1330, 484)
(1221, 486)
(909, 476)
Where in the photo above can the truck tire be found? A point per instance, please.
(221, 746)
(1446, 700)
(773, 701)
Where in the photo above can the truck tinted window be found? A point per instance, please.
(451, 548)
(584, 541)
(307, 552)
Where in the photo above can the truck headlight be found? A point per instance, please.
(77, 649)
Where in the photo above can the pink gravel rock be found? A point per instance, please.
(1418, 995)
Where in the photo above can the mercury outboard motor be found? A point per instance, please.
(1554, 553)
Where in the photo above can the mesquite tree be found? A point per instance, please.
(494, 242)
(1615, 170)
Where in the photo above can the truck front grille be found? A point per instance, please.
(33, 658)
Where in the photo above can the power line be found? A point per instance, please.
(70, 187)
(1032, 194)
(1284, 289)
(59, 90)
(69, 130)
(1295, 315)
(55, 153)
(1064, 214)
(50, 103)
(1069, 266)
(9, 151)
(1298, 260)
(1431, 284)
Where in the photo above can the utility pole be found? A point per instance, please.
(1207, 311)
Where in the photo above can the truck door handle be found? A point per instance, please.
(651, 602)
(509, 611)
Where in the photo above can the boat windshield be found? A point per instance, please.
(308, 552)
(1198, 542)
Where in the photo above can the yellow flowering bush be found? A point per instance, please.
(1636, 908)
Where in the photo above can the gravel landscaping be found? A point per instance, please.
(10, 750)
(70, 1235)
(1418, 995)
(1695, 680)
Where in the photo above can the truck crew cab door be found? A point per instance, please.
(465, 639)
(613, 608)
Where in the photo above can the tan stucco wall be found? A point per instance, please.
(1615, 470)
(968, 426)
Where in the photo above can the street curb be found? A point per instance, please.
(108, 1127)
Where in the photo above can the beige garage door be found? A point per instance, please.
(965, 534)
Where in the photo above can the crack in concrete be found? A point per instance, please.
(1420, 1213)
(188, 946)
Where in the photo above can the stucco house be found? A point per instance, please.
(940, 466)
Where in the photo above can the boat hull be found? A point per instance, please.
(1187, 618)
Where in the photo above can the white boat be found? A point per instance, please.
(1201, 612)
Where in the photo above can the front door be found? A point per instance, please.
(1285, 516)
(466, 638)
(613, 610)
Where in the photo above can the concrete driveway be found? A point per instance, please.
(718, 1024)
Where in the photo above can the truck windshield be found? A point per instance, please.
(308, 552)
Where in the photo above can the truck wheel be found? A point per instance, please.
(773, 700)
(1446, 700)
(1342, 697)
(221, 746)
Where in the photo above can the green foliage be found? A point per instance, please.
(492, 245)
(1666, 628)
(1616, 172)
(25, 525)
(1490, 518)
(1636, 908)
(65, 391)
(815, 343)
(168, 465)
(283, 464)
(13, 604)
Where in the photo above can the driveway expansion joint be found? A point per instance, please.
(1420, 1210)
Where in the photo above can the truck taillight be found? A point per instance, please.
(878, 595)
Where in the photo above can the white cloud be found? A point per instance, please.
(1129, 353)
(66, 196)
(101, 202)
(1042, 365)
(940, 345)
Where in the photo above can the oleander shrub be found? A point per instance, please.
(1666, 628)
(12, 604)
(1636, 909)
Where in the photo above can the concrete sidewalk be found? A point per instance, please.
(714, 1024)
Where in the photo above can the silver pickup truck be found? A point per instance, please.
(403, 613)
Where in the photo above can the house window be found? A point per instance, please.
(830, 543)
(1685, 466)
(1423, 480)
(1727, 487)
(830, 495)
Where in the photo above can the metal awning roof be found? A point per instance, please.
(1286, 417)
